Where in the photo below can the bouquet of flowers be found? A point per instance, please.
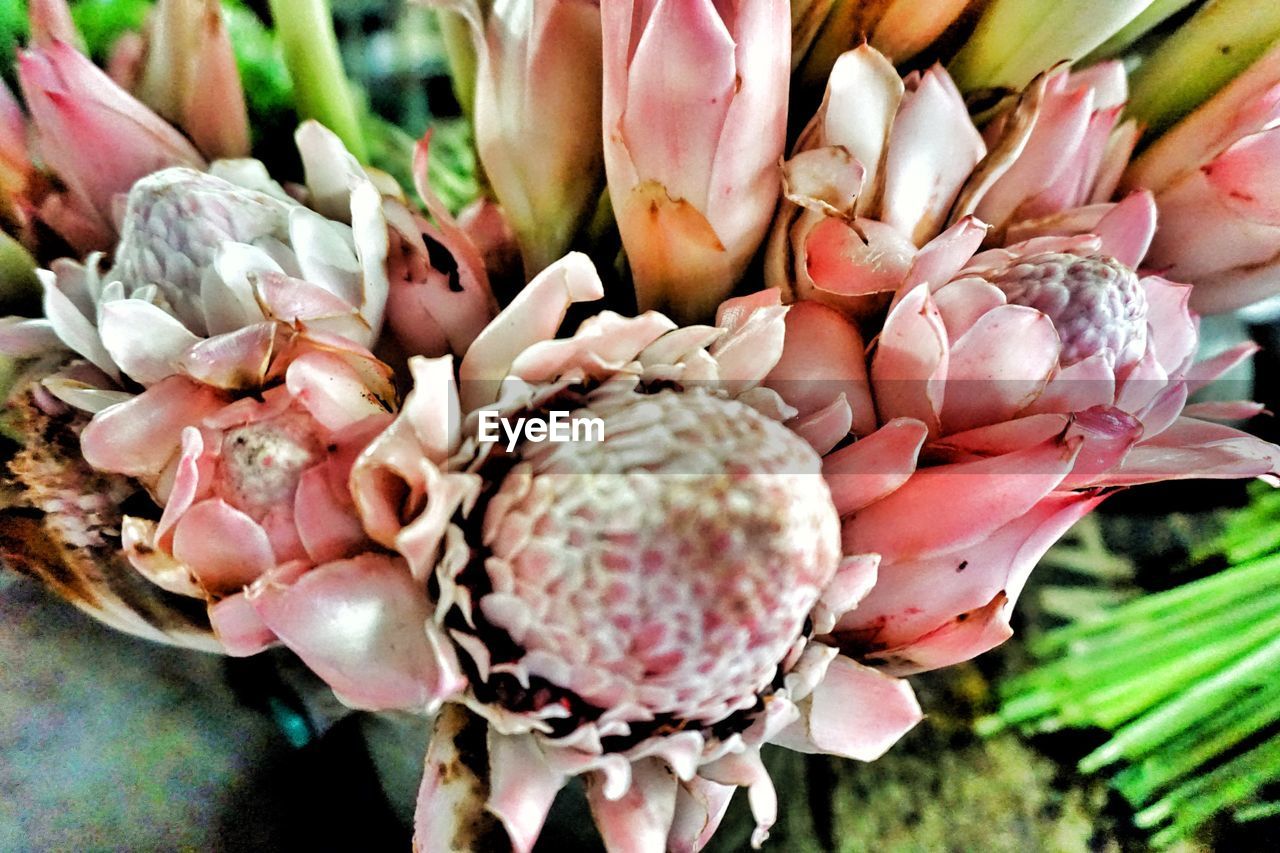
(875, 341)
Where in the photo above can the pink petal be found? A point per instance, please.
(964, 302)
(326, 521)
(522, 787)
(932, 149)
(1193, 449)
(73, 327)
(874, 466)
(825, 428)
(824, 180)
(1225, 410)
(995, 491)
(863, 93)
(74, 106)
(334, 394)
(998, 367)
(235, 361)
(239, 628)
(1083, 385)
(944, 255)
(911, 360)
(141, 436)
(855, 712)
(224, 548)
(1173, 331)
(364, 626)
(214, 113)
(1127, 229)
(961, 638)
(864, 258)
(822, 358)
(534, 315)
(680, 83)
(190, 482)
(917, 616)
(27, 338)
(641, 819)
(1203, 373)
(700, 807)
(746, 769)
(147, 342)
(1060, 127)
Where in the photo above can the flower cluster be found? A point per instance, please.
(981, 317)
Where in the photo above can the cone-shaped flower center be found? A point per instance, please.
(1096, 303)
(669, 568)
(174, 224)
(262, 462)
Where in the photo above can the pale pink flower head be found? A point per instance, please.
(645, 607)
(205, 259)
(1029, 378)
(695, 111)
(1216, 180)
(246, 481)
(1005, 395)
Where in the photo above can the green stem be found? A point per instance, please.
(1147, 20)
(1185, 603)
(1205, 697)
(1222, 39)
(1194, 802)
(1094, 667)
(321, 87)
(1210, 738)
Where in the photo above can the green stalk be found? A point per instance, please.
(18, 283)
(1118, 702)
(1205, 697)
(460, 52)
(1194, 802)
(1148, 19)
(1210, 737)
(1103, 659)
(1220, 41)
(1257, 811)
(1184, 603)
(321, 87)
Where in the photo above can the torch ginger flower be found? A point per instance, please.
(1033, 376)
(246, 482)
(695, 112)
(1034, 379)
(644, 610)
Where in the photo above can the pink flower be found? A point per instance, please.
(255, 515)
(1217, 186)
(887, 163)
(1011, 390)
(644, 610)
(695, 97)
(95, 137)
(1029, 378)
